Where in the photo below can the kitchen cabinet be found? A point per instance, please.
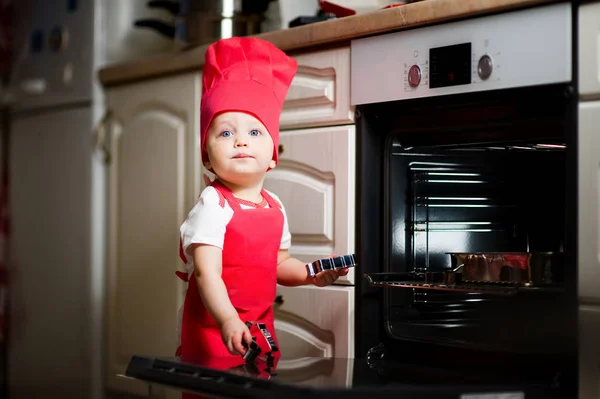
(589, 52)
(154, 180)
(589, 352)
(320, 92)
(315, 321)
(315, 180)
(589, 202)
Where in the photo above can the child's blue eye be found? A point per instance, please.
(226, 133)
(254, 132)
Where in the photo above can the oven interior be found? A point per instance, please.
(483, 172)
(495, 197)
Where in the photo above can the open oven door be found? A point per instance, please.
(320, 378)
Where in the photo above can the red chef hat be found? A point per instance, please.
(245, 74)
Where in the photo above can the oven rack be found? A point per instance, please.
(483, 287)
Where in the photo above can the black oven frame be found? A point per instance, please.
(376, 126)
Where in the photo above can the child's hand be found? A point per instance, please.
(233, 333)
(328, 277)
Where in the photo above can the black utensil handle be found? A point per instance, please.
(341, 262)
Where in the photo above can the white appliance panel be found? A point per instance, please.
(518, 54)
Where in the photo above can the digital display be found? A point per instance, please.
(450, 65)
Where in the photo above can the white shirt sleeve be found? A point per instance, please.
(206, 222)
(286, 237)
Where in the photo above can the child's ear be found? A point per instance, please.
(272, 164)
(207, 165)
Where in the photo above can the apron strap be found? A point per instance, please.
(182, 275)
(225, 192)
(270, 200)
(181, 253)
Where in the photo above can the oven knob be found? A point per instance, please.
(485, 67)
(414, 76)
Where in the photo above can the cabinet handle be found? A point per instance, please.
(279, 300)
(100, 138)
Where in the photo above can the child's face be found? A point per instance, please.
(239, 147)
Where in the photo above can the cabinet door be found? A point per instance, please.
(589, 352)
(315, 180)
(589, 49)
(315, 322)
(320, 92)
(589, 202)
(154, 180)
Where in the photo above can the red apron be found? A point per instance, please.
(250, 249)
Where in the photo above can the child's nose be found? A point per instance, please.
(241, 142)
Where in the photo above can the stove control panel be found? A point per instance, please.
(483, 53)
(448, 66)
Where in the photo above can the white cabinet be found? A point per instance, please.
(315, 180)
(589, 352)
(320, 92)
(589, 204)
(589, 49)
(154, 179)
(315, 321)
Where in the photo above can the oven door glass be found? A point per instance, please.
(472, 200)
(470, 174)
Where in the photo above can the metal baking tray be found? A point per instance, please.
(420, 280)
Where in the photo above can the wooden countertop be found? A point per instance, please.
(319, 34)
